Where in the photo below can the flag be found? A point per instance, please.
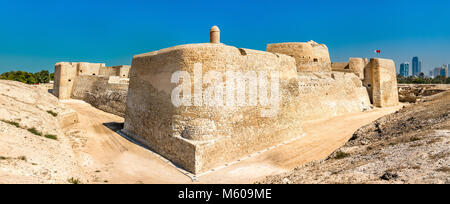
(377, 51)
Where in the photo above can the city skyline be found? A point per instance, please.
(407, 69)
(40, 34)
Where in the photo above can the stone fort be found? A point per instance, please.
(201, 138)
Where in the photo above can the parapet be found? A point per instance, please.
(86, 68)
(66, 73)
(357, 65)
(309, 56)
(121, 71)
(354, 65)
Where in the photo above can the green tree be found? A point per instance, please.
(29, 78)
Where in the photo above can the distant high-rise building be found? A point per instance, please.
(444, 70)
(404, 69)
(420, 67)
(431, 74)
(441, 71)
(415, 66)
(436, 72)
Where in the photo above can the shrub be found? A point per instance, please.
(341, 155)
(74, 181)
(34, 131)
(23, 158)
(53, 137)
(12, 123)
(52, 113)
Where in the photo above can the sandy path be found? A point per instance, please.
(117, 159)
(109, 157)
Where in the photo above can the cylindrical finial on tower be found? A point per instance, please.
(214, 35)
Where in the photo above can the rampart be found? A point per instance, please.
(104, 87)
(377, 75)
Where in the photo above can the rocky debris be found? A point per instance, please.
(411, 93)
(33, 148)
(409, 146)
(389, 176)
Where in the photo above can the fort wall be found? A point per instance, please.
(357, 65)
(201, 138)
(199, 135)
(101, 93)
(328, 95)
(65, 73)
(103, 87)
(341, 67)
(377, 75)
(384, 88)
(309, 56)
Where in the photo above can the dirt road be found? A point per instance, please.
(107, 157)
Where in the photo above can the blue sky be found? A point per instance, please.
(35, 35)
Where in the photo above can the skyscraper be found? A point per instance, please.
(415, 66)
(444, 70)
(441, 71)
(404, 69)
(419, 70)
(436, 72)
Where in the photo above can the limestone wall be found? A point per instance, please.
(97, 91)
(357, 65)
(310, 56)
(201, 137)
(354, 65)
(86, 68)
(65, 73)
(382, 82)
(198, 136)
(120, 71)
(340, 67)
(324, 95)
(124, 71)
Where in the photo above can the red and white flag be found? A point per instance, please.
(377, 51)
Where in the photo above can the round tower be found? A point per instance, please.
(214, 35)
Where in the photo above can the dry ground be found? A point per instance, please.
(409, 146)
